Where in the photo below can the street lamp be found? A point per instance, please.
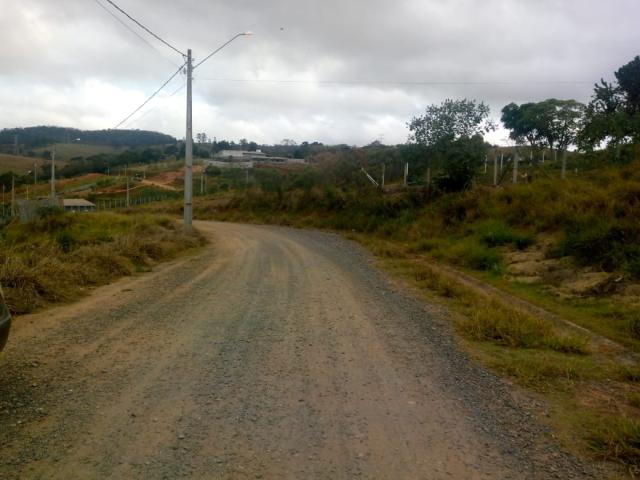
(188, 174)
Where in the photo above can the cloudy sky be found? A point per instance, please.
(336, 71)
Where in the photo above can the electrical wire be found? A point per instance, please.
(144, 28)
(134, 32)
(151, 97)
(393, 82)
(151, 110)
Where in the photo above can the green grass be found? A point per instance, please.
(67, 151)
(604, 315)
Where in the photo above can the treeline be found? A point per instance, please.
(34, 137)
(106, 162)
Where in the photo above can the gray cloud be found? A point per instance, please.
(69, 62)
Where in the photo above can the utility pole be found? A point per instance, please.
(564, 164)
(495, 169)
(13, 196)
(127, 175)
(53, 174)
(515, 165)
(486, 161)
(406, 174)
(188, 168)
(384, 168)
(501, 162)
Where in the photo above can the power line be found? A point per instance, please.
(155, 108)
(398, 82)
(145, 28)
(134, 32)
(151, 97)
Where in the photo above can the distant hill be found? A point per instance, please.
(34, 137)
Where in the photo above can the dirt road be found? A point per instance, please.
(272, 354)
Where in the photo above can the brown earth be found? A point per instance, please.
(273, 354)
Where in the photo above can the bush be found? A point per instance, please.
(476, 256)
(495, 233)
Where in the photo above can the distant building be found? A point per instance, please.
(257, 156)
(77, 205)
(240, 155)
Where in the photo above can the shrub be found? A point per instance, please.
(495, 233)
(476, 256)
(65, 240)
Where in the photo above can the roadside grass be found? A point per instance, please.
(602, 315)
(59, 257)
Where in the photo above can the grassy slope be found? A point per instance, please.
(57, 258)
(67, 151)
(18, 164)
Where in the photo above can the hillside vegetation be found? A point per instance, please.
(32, 137)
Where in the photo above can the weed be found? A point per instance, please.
(617, 439)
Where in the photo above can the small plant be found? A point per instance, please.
(65, 240)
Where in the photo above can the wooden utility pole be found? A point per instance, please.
(501, 162)
(384, 167)
(406, 174)
(563, 175)
(515, 166)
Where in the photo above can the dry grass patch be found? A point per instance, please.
(58, 257)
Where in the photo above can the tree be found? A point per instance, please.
(553, 123)
(526, 123)
(452, 133)
(451, 120)
(613, 115)
(461, 160)
(628, 77)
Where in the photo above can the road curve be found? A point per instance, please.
(273, 353)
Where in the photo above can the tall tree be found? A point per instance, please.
(613, 115)
(452, 132)
(553, 123)
(451, 120)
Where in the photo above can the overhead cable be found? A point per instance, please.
(134, 32)
(145, 28)
(151, 97)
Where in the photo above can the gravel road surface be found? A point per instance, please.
(273, 353)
